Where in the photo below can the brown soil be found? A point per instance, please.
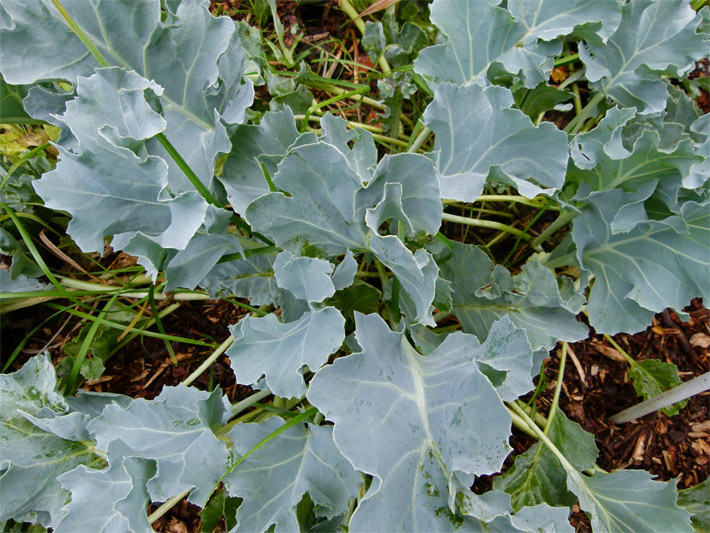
(597, 387)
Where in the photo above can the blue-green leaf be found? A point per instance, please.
(479, 138)
(108, 183)
(533, 300)
(256, 145)
(523, 38)
(629, 501)
(305, 277)
(274, 478)
(32, 458)
(655, 38)
(176, 431)
(657, 264)
(396, 418)
(113, 499)
(327, 207)
(282, 352)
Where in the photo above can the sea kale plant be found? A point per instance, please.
(395, 356)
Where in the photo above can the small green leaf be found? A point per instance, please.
(696, 500)
(652, 377)
(538, 477)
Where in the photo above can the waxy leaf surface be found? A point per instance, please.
(629, 501)
(108, 183)
(654, 38)
(256, 145)
(521, 38)
(479, 138)
(267, 347)
(326, 211)
(532, 300)
(176, 430)
(31, 458)
(412, 421)
(658, 264)
(113, 499)
(274, 478)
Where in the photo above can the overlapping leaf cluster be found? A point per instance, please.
(415, 416)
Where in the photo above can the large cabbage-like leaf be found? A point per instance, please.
(412, 421)
(602, 161)
(256, 145)
(273, 479)
(113, 499)
(629, 501)
(479, 137)
(278, 351)
(658, 264)
(108, 183)
(532, 300)
(195, 57)
(522, 38)
(176, 430)
(655, 38)
(327, 207)
(32, 458)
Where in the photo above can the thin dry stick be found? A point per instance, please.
(578, 366)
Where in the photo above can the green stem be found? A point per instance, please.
(360, 24)
(521, 424)
(208, 362)
(564, 218)
(558, 388)
(248, 402)
(619, 349)
(544, 438)
(165, 507)
(420, 140)
(486, 224)
(566, 60)
(189, 173)
(329, 101)
(577, 122)
(74, 27)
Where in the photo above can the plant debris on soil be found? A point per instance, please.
(595, 385)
